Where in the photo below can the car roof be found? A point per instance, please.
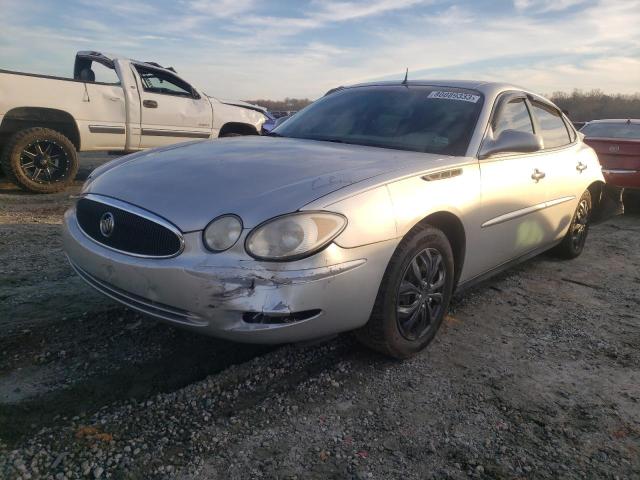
(616, 120)
(489, 89)
(481, 86)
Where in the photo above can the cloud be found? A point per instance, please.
(222, 8)
(303, 50)
(322, 13)
(544, 6)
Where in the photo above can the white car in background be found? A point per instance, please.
(111, 103)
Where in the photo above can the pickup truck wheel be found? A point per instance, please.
(414, 295)
(40, 160)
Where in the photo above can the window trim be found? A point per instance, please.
(508, 100)
(561, 115)
(194, 93)
(510, 95)
(501, 99)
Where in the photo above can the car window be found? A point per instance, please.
(612, 130)
(157, 81)
(416, 118)
(552, 128)
(513, 115)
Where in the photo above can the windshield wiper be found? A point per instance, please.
(274, 134)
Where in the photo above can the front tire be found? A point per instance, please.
(40, 160)
(414, 295)
(573, 242)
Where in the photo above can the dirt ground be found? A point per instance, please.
(535, 374)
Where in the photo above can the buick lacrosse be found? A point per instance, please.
(364, 211)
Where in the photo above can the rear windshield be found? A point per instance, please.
(416, 118)
(612, 130)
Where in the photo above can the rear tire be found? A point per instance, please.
(573, 242)
(40, 160)
(414, 295)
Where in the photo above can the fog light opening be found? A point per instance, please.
(274, 319)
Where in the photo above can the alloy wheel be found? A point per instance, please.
(44, 161)
(580, 224)
(420, 294)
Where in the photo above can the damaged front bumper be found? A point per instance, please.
(229, 295)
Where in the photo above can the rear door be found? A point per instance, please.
(104, 105)
(560, 161)
(172, 110)
(513, 195)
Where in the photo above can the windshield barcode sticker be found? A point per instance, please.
(464, 97)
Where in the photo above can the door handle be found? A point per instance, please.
(581, 167)
(150, 104)
(114, 99)
(537, 175)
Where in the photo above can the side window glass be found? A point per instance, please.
(513, 115)
(552, 128)
(156, 81)
(104, 74)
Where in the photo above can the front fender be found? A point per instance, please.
(370, 217)
(223, 113)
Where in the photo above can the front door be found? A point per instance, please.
(172, 111)
(512, 219)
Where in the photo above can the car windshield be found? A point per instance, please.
(416, 118)
(612, 130)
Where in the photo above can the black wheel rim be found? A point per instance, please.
(421, 294)
(580, 225)
(45, 161)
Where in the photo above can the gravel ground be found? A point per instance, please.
(535, 374)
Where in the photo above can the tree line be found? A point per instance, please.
(286, 105)
(593, 105)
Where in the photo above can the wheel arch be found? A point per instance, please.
(453, 228)
(606, 201)
(21, 118)
(238, 128)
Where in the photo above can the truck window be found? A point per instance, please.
(105, 74)
(157, 81)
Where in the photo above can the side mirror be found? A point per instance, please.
(511, 141)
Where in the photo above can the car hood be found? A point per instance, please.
(254, 177)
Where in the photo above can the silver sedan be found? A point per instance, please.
(364, 211)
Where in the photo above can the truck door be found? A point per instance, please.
(103, 108)
(171, 110)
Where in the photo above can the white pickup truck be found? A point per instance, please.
(111, 103)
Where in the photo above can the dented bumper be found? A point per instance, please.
(229, 295)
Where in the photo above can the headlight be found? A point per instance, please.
(294, 236)
(222, 233)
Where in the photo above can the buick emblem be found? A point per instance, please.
(107, 224)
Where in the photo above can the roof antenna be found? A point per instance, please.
(406, 77)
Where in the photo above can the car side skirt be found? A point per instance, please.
(472, 282)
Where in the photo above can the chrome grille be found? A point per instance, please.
(127, 229)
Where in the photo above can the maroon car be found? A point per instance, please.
(617, 143)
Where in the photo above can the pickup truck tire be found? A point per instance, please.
(40, 160)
